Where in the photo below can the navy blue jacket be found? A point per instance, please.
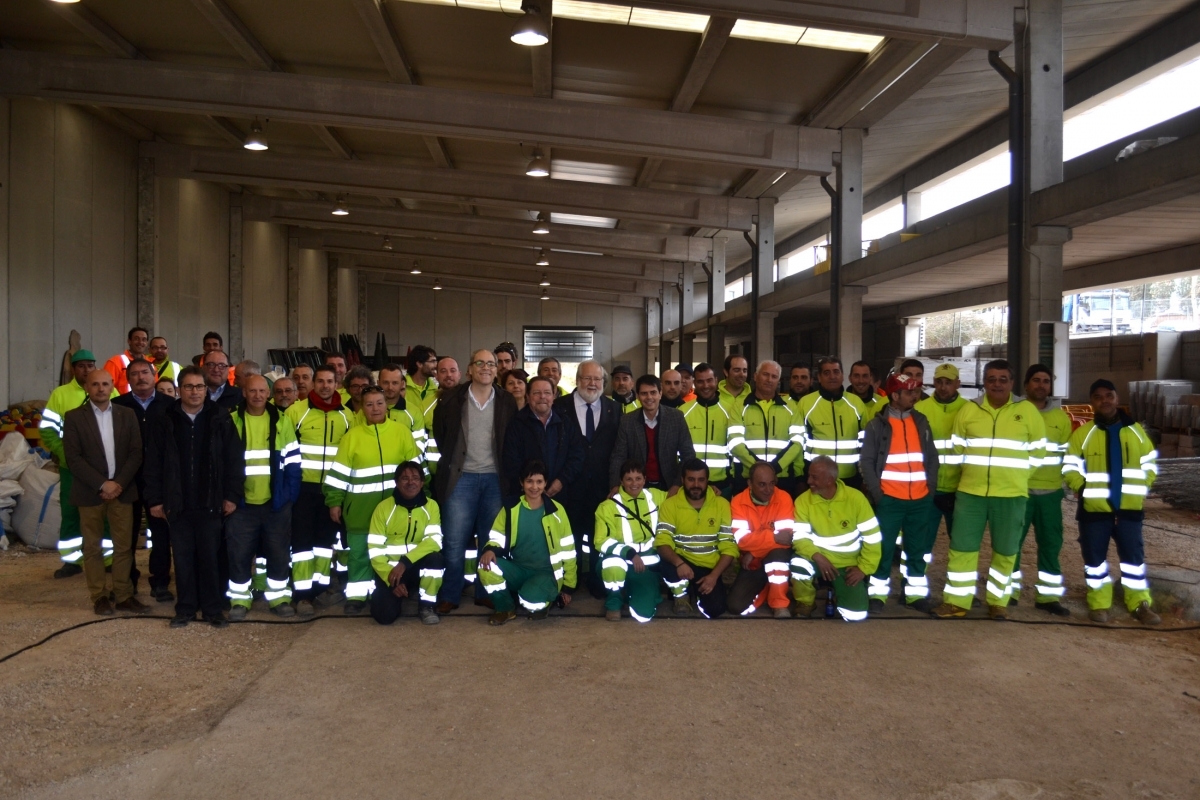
(556, 444)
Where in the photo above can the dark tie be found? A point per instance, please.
(590, 424)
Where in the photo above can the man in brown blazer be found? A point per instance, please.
(103, 446)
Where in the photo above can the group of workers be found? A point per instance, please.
(340, 485)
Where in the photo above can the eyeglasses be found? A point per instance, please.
(483, 364)
(217, 366)
(192, 387)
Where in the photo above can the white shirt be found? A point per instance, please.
(581, 407)
(104, 421)
(650, 423)
(486, 403)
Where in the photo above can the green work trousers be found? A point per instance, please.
(1003, 516)
(915, 518)
(535, 589)
(1044, 513)
(851, 600)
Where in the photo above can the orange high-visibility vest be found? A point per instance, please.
(904, 471)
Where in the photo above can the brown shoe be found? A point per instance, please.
(949, 611)
(501, 617)
(134, 605)
(485, 601)
(804, 610)
(104, 607)
(998, 613)
(1145, 615)
(445, 607)
(1098, 615)
(613, 615)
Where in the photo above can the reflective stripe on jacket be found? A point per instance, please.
(713, 428)
(363, 472)
(699, 536)
(559, 539)
(831, 428)
(1000, 447)
(843, 529)
(1058, 433)
(625, 526)
(396, 534)
(940, 417)
(1086, 466)
(319, 433)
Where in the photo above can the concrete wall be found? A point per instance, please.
(264, 281)
(313, 301)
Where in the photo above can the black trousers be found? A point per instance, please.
(944, 503)
(711, 605)
(196, 545)
(160, 547)
(749, 582)
(385, 606)
(311, 527)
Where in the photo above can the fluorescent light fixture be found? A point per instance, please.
(840, 40)
(545, 281)
(64, 2)
(341, 209)
(583, 219)
(255, 139)
(542, 225)
(592, 12)
(531, 29)
(767, 31)
(542, 260)
(665, 20)
(387, 243)
(539, 167)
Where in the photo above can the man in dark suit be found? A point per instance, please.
(538, 432)
(220, 391)
(656, 436)
(148, 405)
(103, 447)
(597, 417)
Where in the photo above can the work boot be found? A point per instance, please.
(180, 621)
(134, 605)
(330, 597)
(485, 601)
(238, 613)
(1145, 615)
(283, 610)
(163, 595)
(1054, 607)
(218, 621)
(949, 611)
(428, 615)
(103, 607)
(68, 571)
(353, 608)
(501, 617)
(305, 608)
(922, 604)
(874, 606)
(613, 615)
(998, 613)
(1098, 615)
(781, 613)
(541, 613)
(445, 607)
(804, 610)
(1012, 601)
(682, 607)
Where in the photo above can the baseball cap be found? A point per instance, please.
(82, 355)
(621, 369)
(898, 381)
(946, 371)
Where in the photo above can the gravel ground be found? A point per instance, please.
(131, 709)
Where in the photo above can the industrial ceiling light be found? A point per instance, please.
(64, 2)
(545, 281)
(415, 270)
(545, 295)
(531, 29)
(387, 243)
(542, 260)
(437, 286)
(340, 210)
(539, 167)
(542, 225)
(255, 140)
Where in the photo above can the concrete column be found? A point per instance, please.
(293, 291)
(687, 342)
(687, 294)
(236, 285)
(850, 328)
(912, 337)
(652, 331)
(764, 344)
(716, 285)
(361, 328)
(716, 346)
(1040, 59)
(331, 306)
(764, 235)
(4, 245)
(147, 239)
(849, 189)
(912, 208)
(664, 356)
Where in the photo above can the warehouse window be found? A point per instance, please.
(569, 345)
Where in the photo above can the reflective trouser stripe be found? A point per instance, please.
(1002, 517)
(1043, 512)
(851, 601)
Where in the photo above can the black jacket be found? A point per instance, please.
(230, 398)
(447, 430)
(526, 439)
(146, 416)
(194, 467)
(591, 488)
(672, 438)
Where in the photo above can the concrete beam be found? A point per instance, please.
(970, 23)
(343, 102)
(477, 230)
(499, 287)
(331, 295)
(542, 58)
(334, 142)
(293, 290)
(222, 17)
(91, 25)
(147, 239)
(236, 285)
(476, 188)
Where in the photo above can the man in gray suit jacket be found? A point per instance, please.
(103, 446)
(656, 436)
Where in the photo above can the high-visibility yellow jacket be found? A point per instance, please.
(626, 526)
(559, 539)
(831, 426)
(167, 370)
(1058, 432)
(843, 529)
(273, 469)
(871, 406)
(714, 432)
(770, 433)
(1086, 465)
(733, 402)
(941, 421)
(700, 536)
(626, 407)
(1000, 447)
(364, 471)
(424, 397)
(319, 433)
(410, 417)
(397, 534)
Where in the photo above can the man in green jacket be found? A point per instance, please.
(941, 409)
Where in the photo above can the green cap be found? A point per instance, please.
(82, 355)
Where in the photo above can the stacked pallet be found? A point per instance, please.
(1173, 408)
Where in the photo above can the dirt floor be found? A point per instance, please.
(901, 706)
